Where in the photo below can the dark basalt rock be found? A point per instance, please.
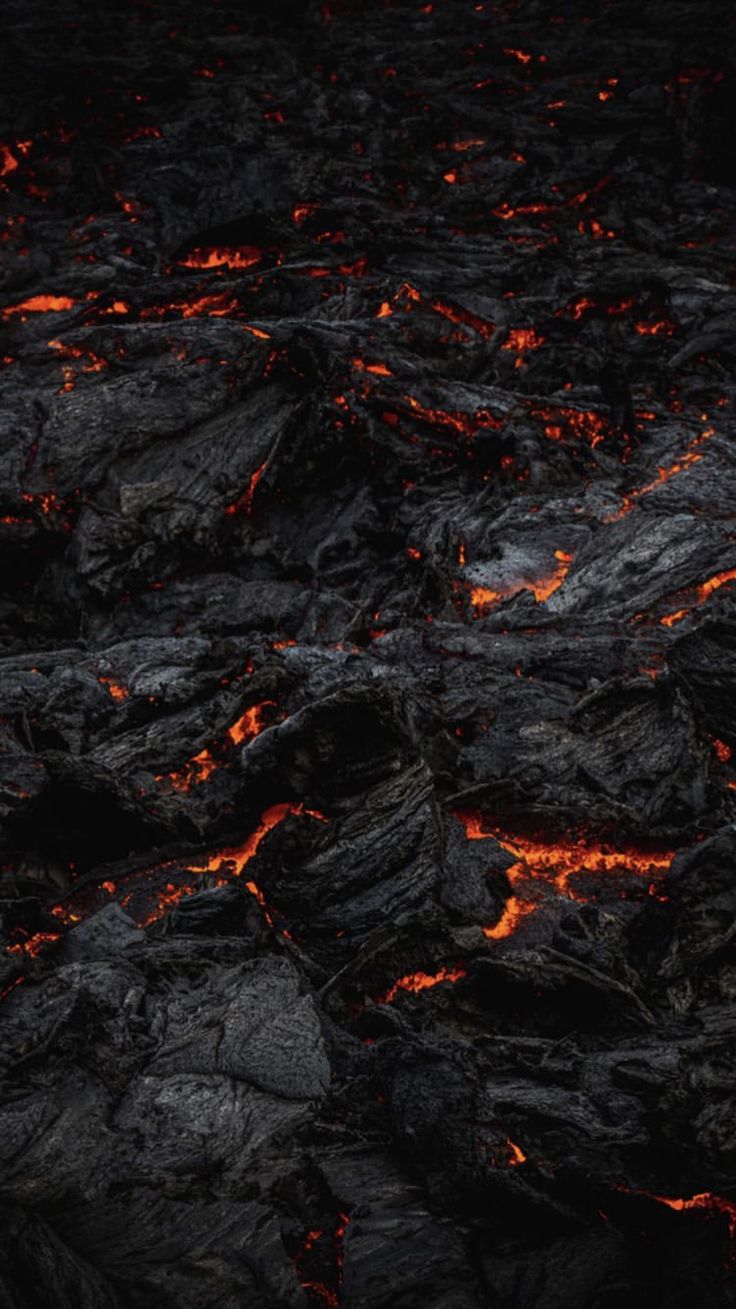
(367, 631)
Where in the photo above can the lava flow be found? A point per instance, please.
(483, 597)
(701, 593)
(570, 868)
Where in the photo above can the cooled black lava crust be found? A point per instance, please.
(367, 654)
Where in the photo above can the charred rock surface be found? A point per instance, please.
(367, 690)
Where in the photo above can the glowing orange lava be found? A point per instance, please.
(703, 590)
(482, 596)
(415, 982)
(116, 689)
(244, 504)
(222, 257)
(379, 370)
(553, 864)
(31, 946)
(250, 724)
(516, 1153)
(38, 304)
(522, 339)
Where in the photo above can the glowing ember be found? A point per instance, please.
(661, 328)
(465, 424)
(379, 370)
(196, 770)
(482, 596)
(585, 424)
(515, 911)
(712, 1204)
(701, 594)
(663, 475)
(116, 689)
(31, 946)
(722, 750)
(553, 865)
(38, 304)
(245, 502)
(225, 257)
(516, 1154)
(250, 724)
(8, 161)
(415, 982)
(522, 339)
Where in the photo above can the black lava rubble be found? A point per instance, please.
(367, 636)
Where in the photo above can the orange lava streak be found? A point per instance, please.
(722, 750)
(244, 504)
(579, 423)
(415, 982)
(240, 855)
(380, 370)
(514, 913)
(522, 339)
(38, 304)
(208, 306)
(661, 328)
(517, 1155)
(482, 596)
(31, 946)
(703, 1201)
(663, 475)
(225, 257)
(196, 770)
(8, 161)
(465, 424)
(250, 724)
(704, 589)
(554, 864)
(464, 317)
(116, 689)
(713, 1204)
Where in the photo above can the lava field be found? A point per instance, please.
(368, 654)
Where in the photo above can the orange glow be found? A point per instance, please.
(661, 328)
(712, 1204)
(239, 856)
(522, 339)
(379, 370)
(514, 912)
(223, 257)
(415, 982)
(522, 55)
(385, 310)
(31, 946)
(250, 724)
(8, 161)
(701, 594)
(38, 304)
(465, 424)
(722, 750)
(482, 596)
(413, 553)
(245, 502)
(516, 1153)
(553, 864)
(457, 314)
(256, 331)
(300, 212)
(116, 689)
(196, 770)
(580, 424)
(663, 475)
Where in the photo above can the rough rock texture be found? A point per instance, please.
(368, 620)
